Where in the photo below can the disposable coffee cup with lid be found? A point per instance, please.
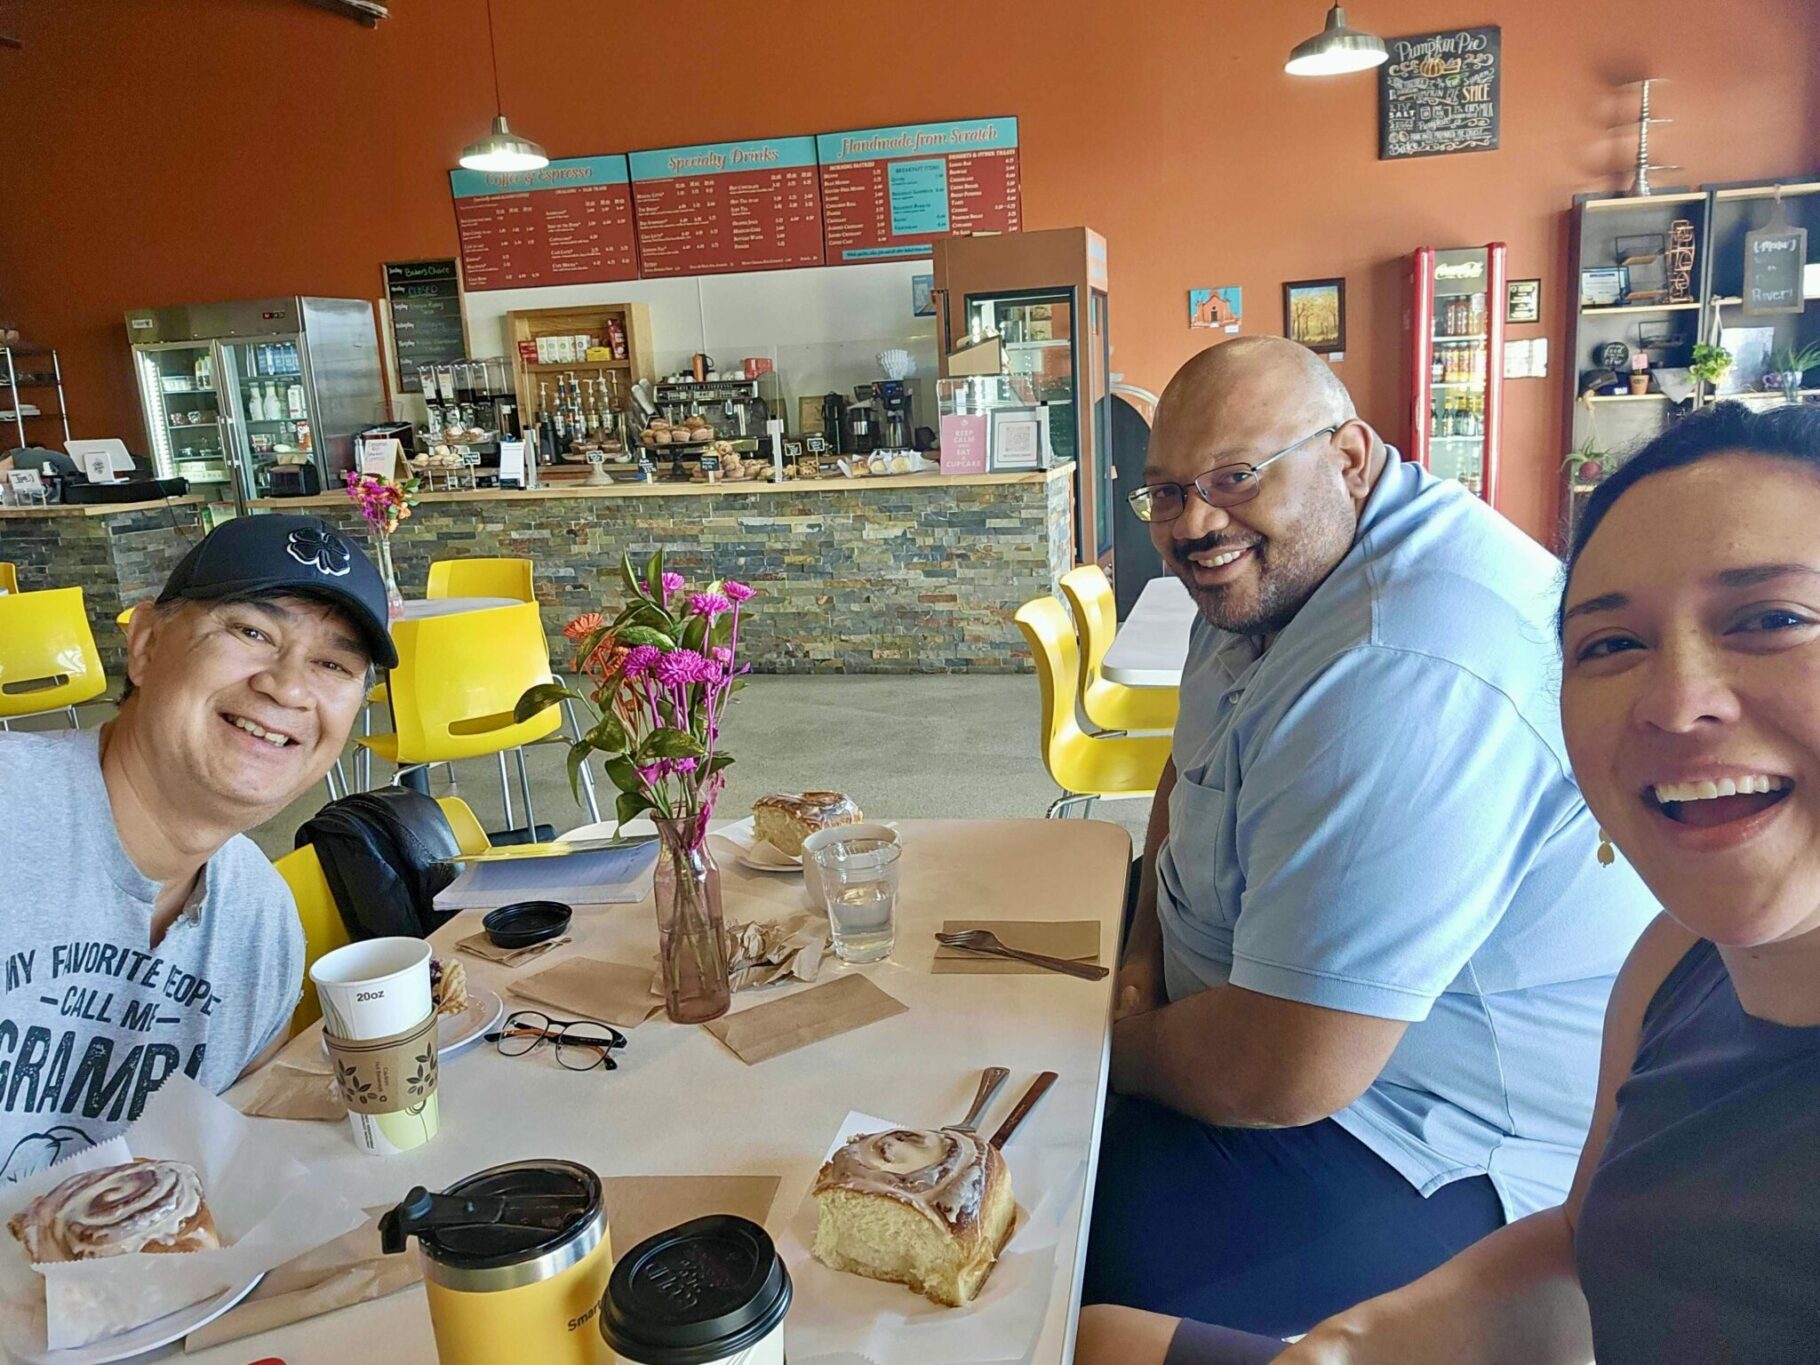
(710, 1292)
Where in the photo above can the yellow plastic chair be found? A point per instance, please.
(457, 681)
(481, 578)
(470, 838)
(1084, 767)
(323, 930)
(1110, 705)
(48, 660)
(125, 618)
(9, 577)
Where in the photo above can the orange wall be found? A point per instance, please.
(175, 151)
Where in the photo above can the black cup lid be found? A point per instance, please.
(523, 923)
(697, 1293)
(547, 1204)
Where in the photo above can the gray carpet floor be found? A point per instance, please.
(924, 746)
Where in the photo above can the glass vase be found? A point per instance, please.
(394, 599)
(691, 945)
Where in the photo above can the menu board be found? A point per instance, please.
(727, 206)
(890, 192)
(1438, 93)
(1773, 258)
(567, 223)
(425, 301)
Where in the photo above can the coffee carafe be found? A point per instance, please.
(515, 1261)
(862, 430)
(894, 398)
(834, 421)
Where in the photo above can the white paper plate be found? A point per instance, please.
(459, 1032)
(751, 851)
(159, 1332)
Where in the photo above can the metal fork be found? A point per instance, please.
(987, 942)
(990, 1080)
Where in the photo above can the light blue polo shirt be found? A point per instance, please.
(1377, 816)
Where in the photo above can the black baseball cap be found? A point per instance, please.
(288, 553)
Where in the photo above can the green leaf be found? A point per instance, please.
(695, 634)
(722, 630)
(630, 578)
(610, 735)
(578, 755)
(645, 635)
(652, 615)
(541, 698)
(670, 743)
(654, 573)
(631, 805)
(718, 762)
(622, 772)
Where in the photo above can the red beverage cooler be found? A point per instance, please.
(1457, 318)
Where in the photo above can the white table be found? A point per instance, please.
(419, 607)
(682, 1104)
(1152, 644)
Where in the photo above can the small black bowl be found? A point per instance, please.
(524, 923)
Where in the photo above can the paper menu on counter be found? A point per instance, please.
(609, 876)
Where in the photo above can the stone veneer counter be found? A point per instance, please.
(117, 553)
(907, 574)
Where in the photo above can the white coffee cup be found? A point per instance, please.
(834, 834)
(375, 988)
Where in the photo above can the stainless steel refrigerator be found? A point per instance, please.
(259, 398)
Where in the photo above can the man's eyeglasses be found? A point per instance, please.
(1226, 486)
(527, 1030)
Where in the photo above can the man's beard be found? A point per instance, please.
(1286, 576)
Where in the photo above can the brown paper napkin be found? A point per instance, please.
(588, 988)
(352, 1269)
(289, 1091)
(483, 947)
(1077, 940)
(780, 1026)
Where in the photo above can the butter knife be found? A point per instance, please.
(1038, 1088)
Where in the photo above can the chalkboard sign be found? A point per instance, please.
(425, 298)
(1438, 93)
(1773, 258)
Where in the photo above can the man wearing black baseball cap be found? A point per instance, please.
(144, 933)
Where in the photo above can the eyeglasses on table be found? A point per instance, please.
(525, 1031)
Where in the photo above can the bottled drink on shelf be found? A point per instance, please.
(1438, 371)
(274, 405)
(1476, 315)
(293, 400)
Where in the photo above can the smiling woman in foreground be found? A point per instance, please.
(1690, 635)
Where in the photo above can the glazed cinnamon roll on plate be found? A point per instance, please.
(927, 1208)
(143, 1205)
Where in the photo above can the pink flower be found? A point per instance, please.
(640, 658)
(652, 772)
(671, 582)
(721, 654)
(736, 590)
(709, 604)
(679, 667)
(682, 765)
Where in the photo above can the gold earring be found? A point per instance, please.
(1607, 854)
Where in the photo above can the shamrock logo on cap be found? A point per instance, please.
(322, 550)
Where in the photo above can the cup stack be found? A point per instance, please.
(379, 1021)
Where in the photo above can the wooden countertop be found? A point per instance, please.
(102, 509)
(662, 489)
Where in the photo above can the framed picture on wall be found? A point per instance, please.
(1314, 313)
(1523, 301)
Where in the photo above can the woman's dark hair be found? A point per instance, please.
(1790, 432)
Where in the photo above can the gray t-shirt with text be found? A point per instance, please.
(92, 1018)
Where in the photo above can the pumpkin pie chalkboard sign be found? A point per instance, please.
(1438, 93)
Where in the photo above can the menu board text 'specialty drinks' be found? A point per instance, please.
(568, 223)
(889, 193)
(727, 206)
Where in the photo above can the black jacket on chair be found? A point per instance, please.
(385, 854)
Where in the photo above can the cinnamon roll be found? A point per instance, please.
(784, 820)
(927, 1208)
(144, 1205)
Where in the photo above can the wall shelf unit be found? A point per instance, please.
(22, 374)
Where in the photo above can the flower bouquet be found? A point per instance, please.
(384, 503)
(660, 675)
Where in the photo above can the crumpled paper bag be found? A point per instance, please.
(266, 1208)
(771, 952)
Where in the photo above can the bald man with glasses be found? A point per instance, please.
(1358, 1012)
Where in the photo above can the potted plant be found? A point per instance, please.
(1792, 364)
(661, 674)
(1639, 373)
(1589, 464)
(1710, 363)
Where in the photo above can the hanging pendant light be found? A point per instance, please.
(1335, 50)
(501, 149)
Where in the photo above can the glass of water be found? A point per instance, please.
(859, 885)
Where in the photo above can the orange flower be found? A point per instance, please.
(585, 624)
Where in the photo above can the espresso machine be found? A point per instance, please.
(731, 406)
(899, 430)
